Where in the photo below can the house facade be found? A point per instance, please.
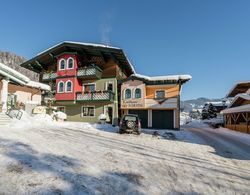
(18, 90)
(237, 115)
(156, 100)
(84, 79)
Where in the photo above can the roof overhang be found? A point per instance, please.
(41, 61)
(240, 87)
(160, 80)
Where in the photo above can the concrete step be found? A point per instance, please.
(4, 119)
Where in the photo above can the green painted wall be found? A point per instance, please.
(73, 111)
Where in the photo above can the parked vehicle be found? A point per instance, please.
(130, 123)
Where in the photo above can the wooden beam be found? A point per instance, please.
(102, 56)
(39, 65)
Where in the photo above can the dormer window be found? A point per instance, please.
(69, 86)
(60, 87)
(70, 64)
(127, 93)
(62, 64)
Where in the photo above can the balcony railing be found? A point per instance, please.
(95, 96)
(89, 72)
(49, 76)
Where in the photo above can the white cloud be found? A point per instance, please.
(106, 28)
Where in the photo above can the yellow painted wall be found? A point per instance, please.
(170, 91)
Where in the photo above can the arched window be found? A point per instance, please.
(60, 87)
(70, 63)
(127, 94)
(62, 64)
(138, 93)
(68, 86)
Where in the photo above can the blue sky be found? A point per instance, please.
(208, 39)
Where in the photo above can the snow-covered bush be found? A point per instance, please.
(60, 116)
(102, 117)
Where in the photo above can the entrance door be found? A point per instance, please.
(109, 114)
(163, 119)
(11, 101)
(143, 115)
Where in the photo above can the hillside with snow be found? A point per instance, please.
(198, 103)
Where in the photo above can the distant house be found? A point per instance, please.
(15, 88)
(156, 100)
(237, 115)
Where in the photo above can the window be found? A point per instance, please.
(62, 64)
(69, 86)
(127, 94)
(138, 93)
(88, 111)
(60, 88)
(89, 87)
(110, 87)
(160, 94)
(70, 64)
(61, 108)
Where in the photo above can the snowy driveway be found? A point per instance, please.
(227, 143)
(79, 158)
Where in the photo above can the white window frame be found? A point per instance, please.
(87, 106)
(62, 107)
(70, 58)
(107, 83)
(134, 93)
(66, 91)
(158, 91)
(58, 87)
(130, 95)
(65, 64)
(83, 88)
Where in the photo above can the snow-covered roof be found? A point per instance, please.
(38, 85)
(242, 96)
(13, 74)
(20, 78)
(164, 78)
(79, 43)
(244, 108)
(242, 86)
(219, 103)
(90, 48)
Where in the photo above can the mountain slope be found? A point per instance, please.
(13, 61)
(198, 103)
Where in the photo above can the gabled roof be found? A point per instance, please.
(47, 56)
(19, 78)
(244, 108)
(240, 87)
(161, 79)
(234, 107)
(239, 97)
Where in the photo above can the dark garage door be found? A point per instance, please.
(163, 119)
(143, 115)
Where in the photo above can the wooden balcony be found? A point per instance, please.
(92, 72)
(95, 96)
(49, 76)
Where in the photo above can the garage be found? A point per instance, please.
(143, 115)
(163, 119)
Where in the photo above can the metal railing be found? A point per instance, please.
(95, 96)
(49, 76)
(14, 113)
(91, 71)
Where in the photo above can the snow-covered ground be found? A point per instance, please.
(81, 158)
